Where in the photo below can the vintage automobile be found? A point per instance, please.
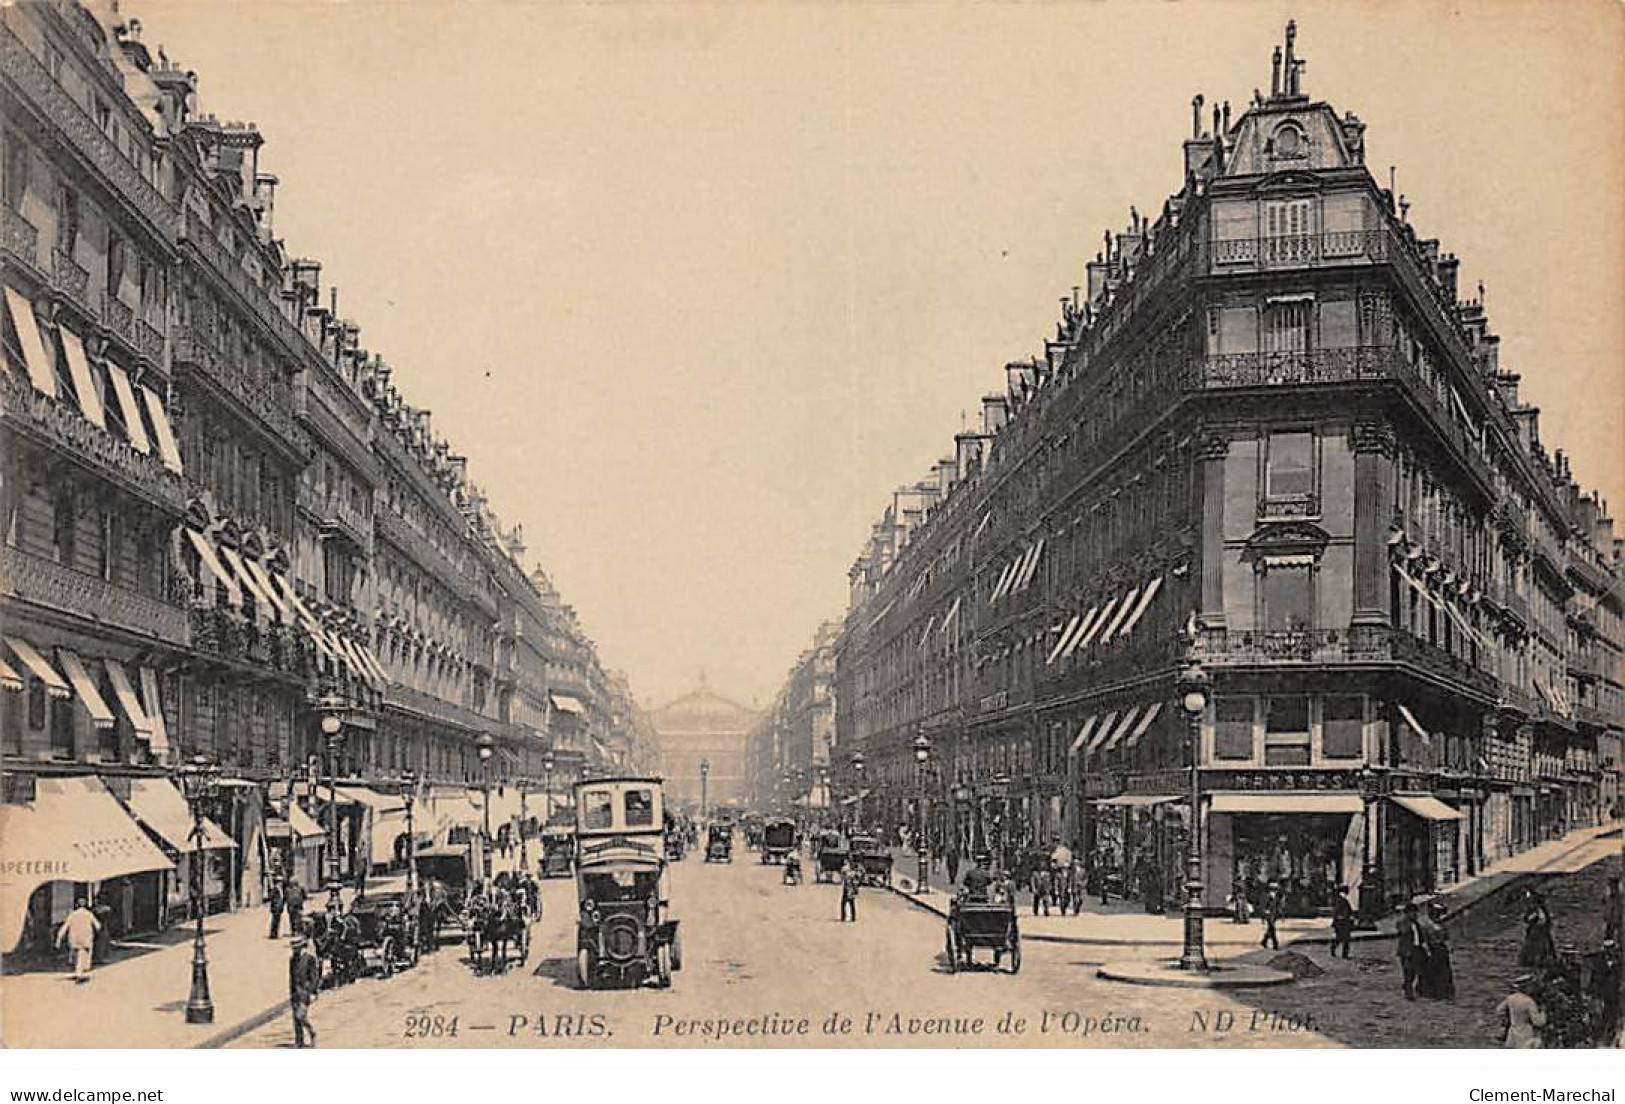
(624, 933)
(444, 875)
(558, 851)
(778, 839)
(976, 923)
(873, 860)
(385, 933)
(830, 856)
(719, 844)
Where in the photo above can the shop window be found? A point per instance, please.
(1342, 726)
(62, 728)
(1233, 728)
(11, 723)
(1286, 732)
(1288, 597)
(36, 705)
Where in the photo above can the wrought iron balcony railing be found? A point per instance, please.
(71, 278)
(18, 237)
(1359, 644)
(89, 597)
(118, 316)
(1299, 250)
(253, 392)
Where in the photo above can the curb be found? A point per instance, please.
(237, 1031)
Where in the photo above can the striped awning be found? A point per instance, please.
(155, 713)
(35, 358)
(211, 562)
(1143, 725)
(1122, 728)
(85, 687)
(1106, 728)
(9, 678)
(1084, 731)
(124, 691)
(55, 685)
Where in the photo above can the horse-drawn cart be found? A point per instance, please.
(990, 924)
(831, 856)
(384, 935)
(873, 860)
(778, 839)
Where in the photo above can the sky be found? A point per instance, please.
(695, 286)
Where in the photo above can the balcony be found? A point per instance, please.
(257, 299)
(1595, 716)
(58, 426)
(248, 390)
(18, 238)
(333, 515)
(118, 316)
(149, 341)
(227, 635)
(1364, 644)
(1338, 247)
(89, 598)
(421, 550)
(66, 120)
(1585, 665)
(405, 698)
(70, 279)
(1354, 364)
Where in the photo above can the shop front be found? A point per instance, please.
(162, 810)
(380, 821)
(1137, 848)
(294, 844)
(71, 839)
(1304, 844)
(1422, 848)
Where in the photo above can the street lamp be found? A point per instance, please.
(330, 708)
(486, 745)
(1193, 689)
(1370, 876)
(705, 776)
(524, 840)
(922, 752)
(857, 769)
(200, 781)
(1001, 787)
(547, 784)
(409, 780)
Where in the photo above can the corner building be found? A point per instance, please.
(1273, 436)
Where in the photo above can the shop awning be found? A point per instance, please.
(55, 685)
(125, 693)
(1286, 803)
(9, 678)
(1107, 613)
(452, 809)
(1137, 800)
(567, 703)
(85, 687)
(35, 358)
(372, 799)
(1427, 807)
(304, 825)
(154, 709)
(246, 581)
(1122, 728)
(1145, 723)
(1083, 731)
(168, 451)
(211, 563)
(161, 807)
(1106, 728)
(1141, 606)
(1120, 616)
(134, 428)
(84, 384)
(263, 578)
(1410, 719)
(73, 831)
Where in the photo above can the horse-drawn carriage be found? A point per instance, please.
(976, 923)
(872, 859)
(498, 921)
(558, 851)
(377, 934)
(830, 856)
(778, 839)
(444, 875)
(719, 843)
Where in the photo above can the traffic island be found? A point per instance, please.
(1166, 972)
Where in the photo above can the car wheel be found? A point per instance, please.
(676, 952)
(1015, 958)
(663, 966)
(584, 969)
(953, 952)
(387, 957)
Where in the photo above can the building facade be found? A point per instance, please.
(789, 752)
(701, 739)
(1271, 435)
(225, 521)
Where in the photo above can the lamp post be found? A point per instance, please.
(486, 746)
(705, 775)
(330, 707)
(857, 770)
(1370, 906)
(922, 752)
(524, 840)
(1193, 684)
(547, 785)
(409, 780)
(200, 782)
(1001, 787)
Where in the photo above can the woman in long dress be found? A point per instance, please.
(1539, 949)
(1438, 980)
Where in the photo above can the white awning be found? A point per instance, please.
(40, 668)
(1078, 633)
(168, 451)
(1138, 800)
(154, 710)
(1004, 580)
(1145, 723)
(1121, 616)
(1122, 728)
(372, 799)
(1099, 623)
(567, 703)
(948, 618)
(1427, 807)
(211, 562)
(1410, 719)
(125, 693)
(35, 357)
(263, 578)
(304, 825)
(9, 678)
(84, 384)
(134, 427)
(85, 687)
(1028, 568)
(1060, 641)
(1141, 606)
(73, 831)
(313, 627)
(1333, 803)
(1104, 730)
(1084, 730)
(370, 659)
(246, 580)
(157, 804)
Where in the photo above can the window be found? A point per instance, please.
(116, 258)
(1286, 732)
(16, 170)
(1288, 595)
(36, 704)
(1290, 465)
(62, 728)
(1286, 326)
(62, 519)
(597, 809)
(1233, 728)
(103, 114)
(1342, 726)
(640, 808)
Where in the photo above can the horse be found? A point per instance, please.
(493, 924)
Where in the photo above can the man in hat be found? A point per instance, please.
(293, 896)
(1521, 1018)
(1410, 948)
(304, 980)
(850, 880)
(977, 879)
(1342, 922)
(78, 929)
(274, 900)
(1269, 914)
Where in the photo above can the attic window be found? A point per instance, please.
(1289, 143)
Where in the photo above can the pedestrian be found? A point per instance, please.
(293, 896)
(1605, 971)
(360, 877)
(849, 895)
(1410, 948)
(1269, 914)
(1438, 980)
(1611, 911)
(1041, 883)
(1239, 912)
(275, 901)
(1521, 1017)
(953, 866)
(78, 930)
(304, 981)
(1342, 922)
(1539, 950)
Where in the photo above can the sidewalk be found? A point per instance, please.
(138, 999)
(1125, 923)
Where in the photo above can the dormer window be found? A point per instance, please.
(1288, 143)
